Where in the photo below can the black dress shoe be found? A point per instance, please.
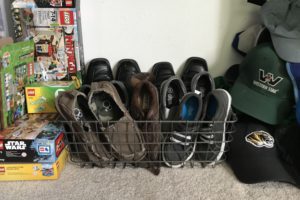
(193, 66)
(122, 92)
(162, 71)
(85, 89)
(125, 69)
(98, 70)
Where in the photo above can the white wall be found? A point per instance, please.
(150, 31)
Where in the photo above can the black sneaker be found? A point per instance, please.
(216, 112)
(162, 71)
(179, 146)
(172, 91)
(192, 66)
(202, 84)
(98, 70)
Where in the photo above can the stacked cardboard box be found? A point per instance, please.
(42, 60)
(34, 171)
(16, 71)
(55, 35)
(34, 147)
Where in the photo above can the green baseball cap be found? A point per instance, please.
(263, 89)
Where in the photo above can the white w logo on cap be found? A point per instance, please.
(269, 78)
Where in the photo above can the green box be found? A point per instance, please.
(16, 71)
(40, 96)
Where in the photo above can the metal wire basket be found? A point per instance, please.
(160, 143)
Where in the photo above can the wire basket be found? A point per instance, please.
(149, 143)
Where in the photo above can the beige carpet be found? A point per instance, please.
(197, 183)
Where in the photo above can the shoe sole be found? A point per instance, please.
(224, 128)
(183, 162)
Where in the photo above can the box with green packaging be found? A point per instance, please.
(40, 96)
(16, 71)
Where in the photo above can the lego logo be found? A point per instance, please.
(69, 3)
(31, 92)
(66, 18)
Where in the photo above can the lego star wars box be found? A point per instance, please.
(40, 96)
(16, 70)
(36, 138)
(34, 171)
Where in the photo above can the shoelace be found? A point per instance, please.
(184, 140)
(207, 137)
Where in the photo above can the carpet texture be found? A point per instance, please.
(197, 183)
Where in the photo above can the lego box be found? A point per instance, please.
(35, 138)
(45, 3)
(40, 97)
(55, 35)
(34, 171)
(16, 71)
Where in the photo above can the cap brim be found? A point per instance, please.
(286, 48)
(267, 109)
(252, 164)
(253, 169)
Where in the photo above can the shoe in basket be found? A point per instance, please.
(145, 109)
(212, 139)
(202, 84)
(179, 146)
(72, 106)
(115, 123)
